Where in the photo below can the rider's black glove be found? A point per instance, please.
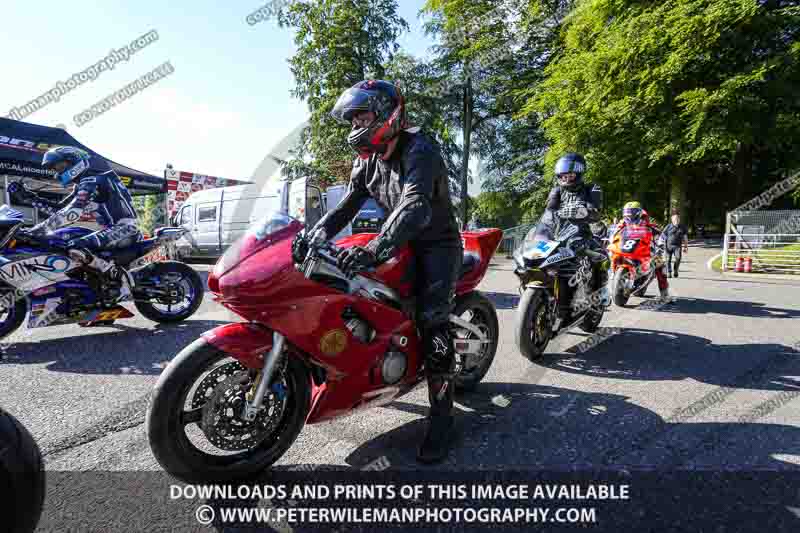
(355, 259)
(299, 248)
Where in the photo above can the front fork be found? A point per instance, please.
(254, 401)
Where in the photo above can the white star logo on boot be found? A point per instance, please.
(439, 346)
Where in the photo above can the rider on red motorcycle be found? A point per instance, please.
(404, 172)
(633, 213)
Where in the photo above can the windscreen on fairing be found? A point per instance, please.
(257, 233)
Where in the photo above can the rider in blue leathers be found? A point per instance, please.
(108, 204)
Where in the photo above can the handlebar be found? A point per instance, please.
(329, 253)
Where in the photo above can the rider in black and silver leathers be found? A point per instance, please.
(570, 195)
(406, 175)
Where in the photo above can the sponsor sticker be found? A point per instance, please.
(333, 343)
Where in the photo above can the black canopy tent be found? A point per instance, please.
(22, 146)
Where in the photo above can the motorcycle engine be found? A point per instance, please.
(360, 330)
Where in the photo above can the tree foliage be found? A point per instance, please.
(339, 43)
(497, 209)
(686, 103)
(693, 92)
(151, 211)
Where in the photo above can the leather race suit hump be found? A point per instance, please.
(412, 186)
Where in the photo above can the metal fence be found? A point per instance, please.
(762, 241)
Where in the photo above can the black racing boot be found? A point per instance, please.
(438, 439)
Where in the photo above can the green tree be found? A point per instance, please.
(478, 46)
(151, 212)
(497, 209)
(430, 110)
(498, 53)
(670, 96)
(339, 43)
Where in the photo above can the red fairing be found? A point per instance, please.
(245, 342)
(481, 245)
(479, 248)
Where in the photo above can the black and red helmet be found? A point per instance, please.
(377, 96)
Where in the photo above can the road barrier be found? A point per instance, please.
(762, 242)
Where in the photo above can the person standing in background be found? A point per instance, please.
(676, 239)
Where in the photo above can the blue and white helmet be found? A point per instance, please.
(77, 162)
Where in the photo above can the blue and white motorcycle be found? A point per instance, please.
(51, 288)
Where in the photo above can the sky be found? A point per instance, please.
(226, 104)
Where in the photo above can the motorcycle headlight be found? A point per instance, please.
(538, 249)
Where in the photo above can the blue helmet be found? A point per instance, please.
(77, 162)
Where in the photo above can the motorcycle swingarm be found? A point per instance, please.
(469, 346)
(566, 329)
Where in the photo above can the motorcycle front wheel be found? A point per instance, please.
(532, 328)
(194, 423)
(619, 291)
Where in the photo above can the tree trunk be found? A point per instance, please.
(465, 164)
(677, 196)
(742, 172)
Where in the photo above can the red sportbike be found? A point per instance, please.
(635, 259)
(314, 345)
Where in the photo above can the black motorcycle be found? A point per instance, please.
(557, 283)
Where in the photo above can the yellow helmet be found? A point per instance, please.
(632, 212)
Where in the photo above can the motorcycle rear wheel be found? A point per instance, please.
(591, 320)
(166, 421)
(181, 272)
(484, 316)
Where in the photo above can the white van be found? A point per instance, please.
(216, 218)
(333, 197)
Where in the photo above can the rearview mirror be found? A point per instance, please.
(314, 207)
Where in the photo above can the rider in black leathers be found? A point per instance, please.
(406, 175)
(99, 198)
(569, 195)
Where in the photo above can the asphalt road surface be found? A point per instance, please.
(680, 386)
